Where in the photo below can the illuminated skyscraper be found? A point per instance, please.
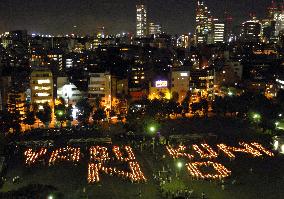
(279, 25)
(203, 22)
(100, 32)
(272, 24)
(278, 17)
(228, 34)
(218, 32)
(251, 30)
(154, 29)
(272, 10)
(141, 21)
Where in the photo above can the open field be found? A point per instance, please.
(259, 177)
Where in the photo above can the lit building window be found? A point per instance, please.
(44, 81)
(43, 94)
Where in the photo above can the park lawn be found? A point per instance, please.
(266, 180)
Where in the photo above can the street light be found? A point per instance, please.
(50, 197)
(179, 165)
(60, 113)
(256, 116)
(152, 129)
(277, 124)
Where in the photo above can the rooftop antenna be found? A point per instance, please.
(282, 6)
(10, 20)
(252, 12)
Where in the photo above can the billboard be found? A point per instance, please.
(161, 84)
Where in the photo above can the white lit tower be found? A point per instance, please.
(228, 34)
(279, 19)
(251, 30)
(141, 20)
(228, 21)
(218, 31)
(203, 22)
(272, 10)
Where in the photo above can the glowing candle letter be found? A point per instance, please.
(179, 152)
(194, 170)
(210, 153)
(65, 154)
(31, 156)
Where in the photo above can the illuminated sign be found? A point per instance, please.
(161, 84)
(184, 74)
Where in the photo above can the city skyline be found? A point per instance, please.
(158, 99)
(176, 17)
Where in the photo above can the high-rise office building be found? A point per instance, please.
(100, 32)
(203, 23)
(154, 29)
(268, 30)
(228, 34)
(279, 22)
(251, 30)
(141, 21)
(218, 32)
(272, 10)
(271, 25)
(5, 83)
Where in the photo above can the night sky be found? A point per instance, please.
(59, 16)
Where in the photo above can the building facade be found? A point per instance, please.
(202, 83)
(68, 91)
(180, 83)
(154, 29)
(184, 41)
(159, 89)
(251, 31)
(41, 84)
(5, 83)
(218, 32)
(100, 87)
(141, 21)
